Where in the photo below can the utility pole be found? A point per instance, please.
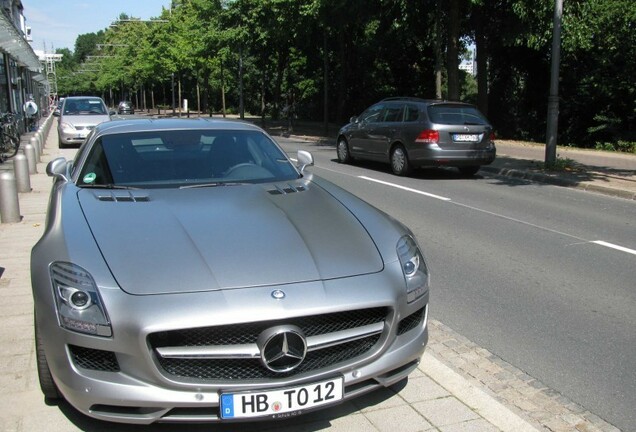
(553, 98)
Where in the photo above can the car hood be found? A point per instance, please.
(188, 240)
(85, 120)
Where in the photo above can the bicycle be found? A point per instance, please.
(9, 136)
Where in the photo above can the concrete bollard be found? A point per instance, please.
(9, 204)
(38, 134)
(29, 152)
(21, 170)
(43, 134)
(37, 145)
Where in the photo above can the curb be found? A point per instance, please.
(484, 404)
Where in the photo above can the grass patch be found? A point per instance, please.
(561, 165)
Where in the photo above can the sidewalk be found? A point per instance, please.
(457, 387)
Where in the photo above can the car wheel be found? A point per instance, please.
(343, 151)
(400, 161)
(468, 171)
(49, 389)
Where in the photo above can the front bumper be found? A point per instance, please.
(70, 137)
(139, 390)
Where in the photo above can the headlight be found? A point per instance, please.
(413, 267)
(79, 306)
(67, 126)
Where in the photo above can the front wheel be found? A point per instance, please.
(343, 151)
(400, 161)
(47, 385)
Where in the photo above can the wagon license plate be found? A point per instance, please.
(465, 137)
(281, 401)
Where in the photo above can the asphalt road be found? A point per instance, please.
(542, 276)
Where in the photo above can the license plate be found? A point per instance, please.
(466, 137)
(279, 402)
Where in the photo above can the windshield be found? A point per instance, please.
(84, 106)
(184, 158)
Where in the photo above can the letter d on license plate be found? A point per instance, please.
(273, 402)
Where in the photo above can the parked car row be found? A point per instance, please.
(144, 309)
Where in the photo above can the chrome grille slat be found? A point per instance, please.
(252, 351)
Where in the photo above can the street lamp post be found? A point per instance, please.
(553, 98)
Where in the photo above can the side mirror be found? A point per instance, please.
(57, 168)
(304, 159)
(112, 112)
(353, 119)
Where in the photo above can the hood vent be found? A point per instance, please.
(120, 196)
(288, 189)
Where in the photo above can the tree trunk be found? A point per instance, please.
(438, 52)
(482, 61)
(452, 60)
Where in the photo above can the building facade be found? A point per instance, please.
(21, 72)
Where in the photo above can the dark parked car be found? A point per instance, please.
(125, 107)
(410, 133)
(189, 272)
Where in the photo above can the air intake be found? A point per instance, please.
(120, 196)
(288, 189)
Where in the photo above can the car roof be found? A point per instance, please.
(164, 124)
(426, 101)
(82, 97)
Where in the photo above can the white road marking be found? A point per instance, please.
(405, 188)
(613, 246)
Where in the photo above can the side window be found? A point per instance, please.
(411, 113)
(393, 113)
(372, 115)
(96, 169)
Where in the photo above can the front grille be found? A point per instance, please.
(93, 359)
(232, 369)
(241, 369)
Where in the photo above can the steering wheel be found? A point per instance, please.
(247, 171)
(242, 165)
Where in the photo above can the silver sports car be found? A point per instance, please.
(189, 272)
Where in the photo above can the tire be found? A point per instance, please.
(344, 156)
(47, 385)
(468, 171)
(400, 161)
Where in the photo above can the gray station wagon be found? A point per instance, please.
(411, 133)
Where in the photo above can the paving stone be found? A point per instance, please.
(470, 426)
(422, 389)
(403, 419)
(446, 411)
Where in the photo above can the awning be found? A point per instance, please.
(12, 42)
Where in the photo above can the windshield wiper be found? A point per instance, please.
(107, 186)
(214, 184)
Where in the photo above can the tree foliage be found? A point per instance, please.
(335, 57)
